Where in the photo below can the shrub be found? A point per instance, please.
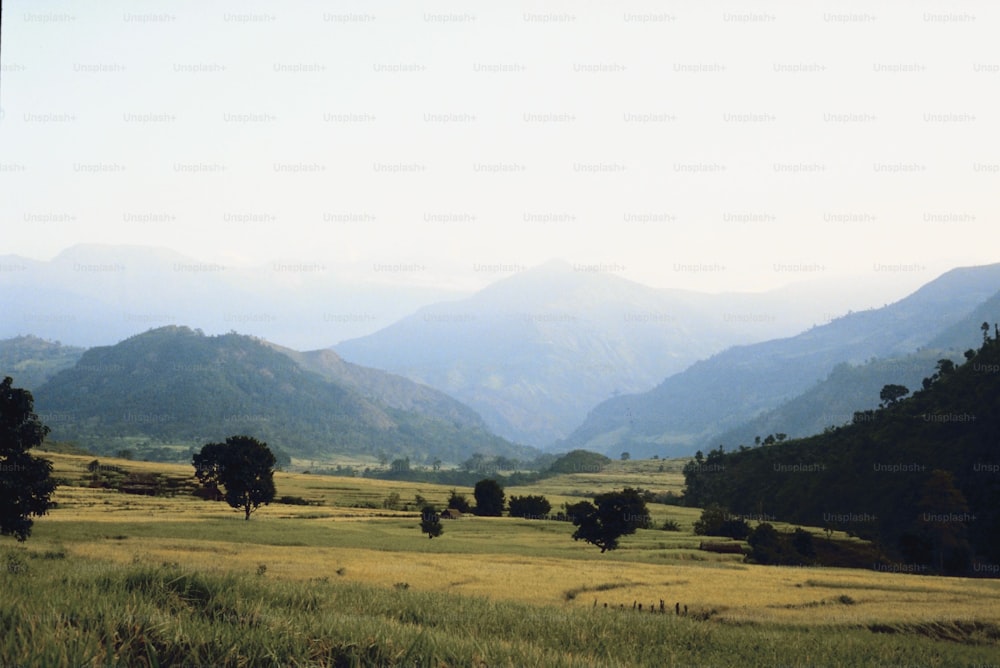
(670, 525)
(716, 521)
(529, 507)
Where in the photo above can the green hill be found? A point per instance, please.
(921, 477)
(174, 385)
(30, 361)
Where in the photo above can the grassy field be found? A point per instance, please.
(110, 578)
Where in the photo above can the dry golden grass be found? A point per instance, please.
(498, 558)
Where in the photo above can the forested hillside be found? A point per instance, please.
(32, 360)
(175, 385)
(921, 475)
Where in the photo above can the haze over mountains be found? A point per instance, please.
(93, 295)
(694, 408)
(534, 352)
(558, 356)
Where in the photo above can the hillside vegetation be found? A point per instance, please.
(921, 476)
(32, 360)
(174, 385)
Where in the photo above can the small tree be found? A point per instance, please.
(489, 498)
(891, 394)
(716, 521)
(244, 466)
(531, 507)
(611, 516)
(459, 502)
(26, 483)
(430, 522)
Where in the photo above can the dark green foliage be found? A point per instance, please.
(580, 461)
(430, 522)
(716, 521)
(489, 498)
(173, 385)
(670, 525)
(611, 516)
(459, 502)
(243, 466)
(26, 483)
(33, 360)
(769, 546)
(892, 393)
(922, 477)
(529, 507)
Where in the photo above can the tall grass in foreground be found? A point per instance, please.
(56, 611)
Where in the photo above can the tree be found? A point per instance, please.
(611, 516)
(26, 483)
(430, 523)
(529, 507)
(459, 502)
(891, 394)
(716, 521)
(626, 456)
(244, 466)
(489, 498)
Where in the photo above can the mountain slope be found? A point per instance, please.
(533, 352)
(851, 388)
(691, 409)
(922, 476)
(389, 389)
(30, 361)
(178, 386)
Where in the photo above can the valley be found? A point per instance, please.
(490, 590)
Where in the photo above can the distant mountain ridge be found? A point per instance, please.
(94, 294)
(534, 352)
(174, 385)
(692, 409)
(851, 388)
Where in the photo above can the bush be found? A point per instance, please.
(716, 521)
(293, 501)
(529, 507)
(768, 546)
(459, 502)
(670, 525)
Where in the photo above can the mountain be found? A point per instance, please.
(389, 389)
(532, 353)
(691, 409)
(851, 388)
(177, 386)
(97, 294)
(30, 361)
(921, 477)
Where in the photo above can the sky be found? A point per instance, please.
(709, 146)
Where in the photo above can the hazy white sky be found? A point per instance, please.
(716, 145)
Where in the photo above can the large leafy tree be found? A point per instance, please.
(243, 466)
(529, 507)
(489, 498)
(26, 483)
(611, 516)
(430, 523)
